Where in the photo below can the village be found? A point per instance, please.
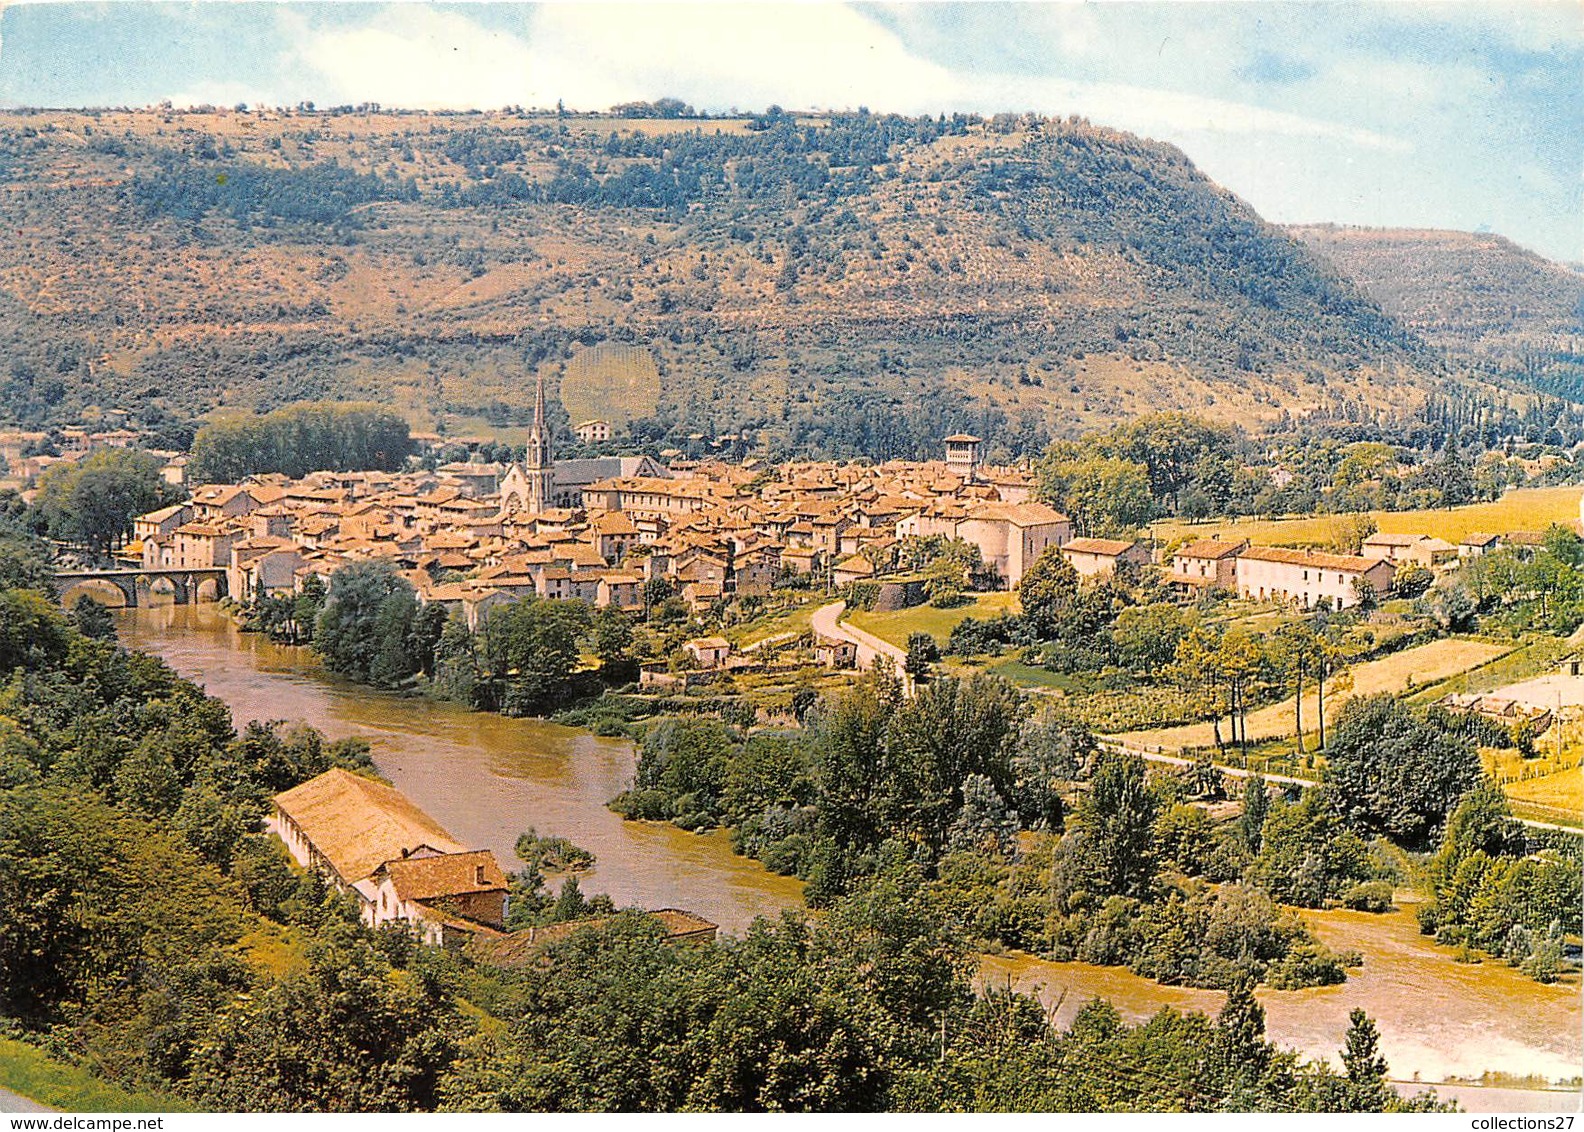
(608, 531)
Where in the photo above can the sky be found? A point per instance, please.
(1449, 115)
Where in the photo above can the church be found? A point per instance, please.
(541, 482)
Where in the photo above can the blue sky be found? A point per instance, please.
(1463, 115)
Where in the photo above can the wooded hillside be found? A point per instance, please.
(841, 285)
(1480, 297)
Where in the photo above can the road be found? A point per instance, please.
(16, 1102)
(826, 622)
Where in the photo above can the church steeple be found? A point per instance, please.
(541, 460)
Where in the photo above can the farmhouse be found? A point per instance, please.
(1421, 550)
(369, 839)
(1304, 577)
(709, 652)
(1092, 557)
(1209, 564)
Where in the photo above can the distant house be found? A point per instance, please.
(1304, 577)
(1477, 545)
(369, 839)
(1092, 557)
(592, 432)
(1420, 550)
(710, 652)
(1011, 536)
(1208, 564)
(160, 525)
(832, 653)
(854, 569)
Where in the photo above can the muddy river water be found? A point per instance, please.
(487, 778)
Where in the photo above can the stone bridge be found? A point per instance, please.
(184, 585)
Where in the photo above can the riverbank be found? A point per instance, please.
(486, 778)
(483, 776)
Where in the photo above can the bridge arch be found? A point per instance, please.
(108, 592)
(163, 590)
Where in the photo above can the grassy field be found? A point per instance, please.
(1526, 509)
(28, 1071)
(1533, 658)
(794, 620)
(938, 623)
(1432, 662)
(1554, 797)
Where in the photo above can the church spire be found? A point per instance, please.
(541, 460)
(539, 412)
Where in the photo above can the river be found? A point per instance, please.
(487, 778)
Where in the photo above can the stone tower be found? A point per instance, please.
(540, 463)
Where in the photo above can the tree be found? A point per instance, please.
(1412, 580)
(1117, 817)
(1103, 495)
(92, 619)
(91, 503)
(1367, 1090)
(613, 642)
(1047, 589)
(1146, 636)
(950, 730)
(1394, 772)
(1198, 669)
(364, 627)
(530, 650)
(1297, 647)
(302, 438)
(33, 631)
(1256, 804)
(922, 651)
(1051, 752)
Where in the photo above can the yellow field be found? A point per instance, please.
(1525, 509)
(29, 1071)
(938, 623)
(611, 382)
(1556, 797)
(1423, 665)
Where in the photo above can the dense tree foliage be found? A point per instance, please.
(91, 502)
(1394, 771)
(300, 439)
(368, 629)
(1493, 894)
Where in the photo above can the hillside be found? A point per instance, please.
(1478, 296)
(843, 285)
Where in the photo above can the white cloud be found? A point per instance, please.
(804, 56)
(415, 56)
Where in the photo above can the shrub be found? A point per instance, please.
(1371, 896)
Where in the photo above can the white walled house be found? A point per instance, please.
(1303, 577)
(1093, 557)
(369, 839)
(1208, 564)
